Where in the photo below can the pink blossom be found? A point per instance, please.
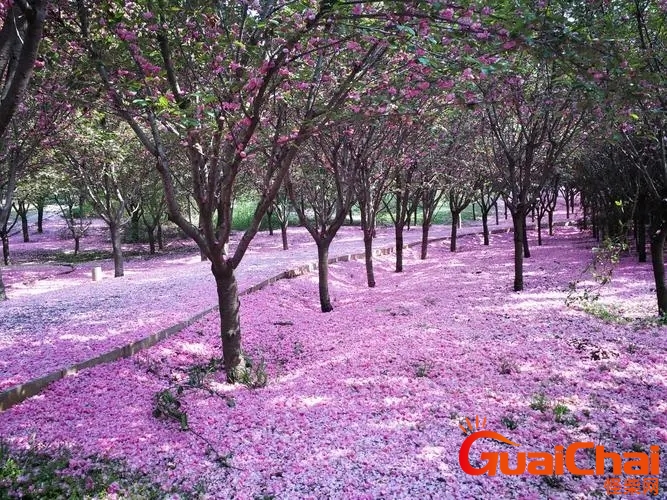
(447, 14)
(468, 74)
(253, 84)
(126, 35)
(231, 106)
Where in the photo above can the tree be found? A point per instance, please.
(109, 179)
(533, 116)
(22, 151)
(325, 183)
(5, 229)
(447, 169)
(402, 200)
(616, 51)
(634, 36)
(70, 200)
(209, 82)
(487, 198)
(545, 205)
(20, 37)
(153, 205)
(459, 197)
(37, 186)
(282, 207)
(374, 142)
(21, 206)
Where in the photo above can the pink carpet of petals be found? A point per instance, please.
(57, 316)
(365, 402)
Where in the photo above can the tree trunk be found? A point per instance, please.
(658, 260)
(640, 228)
(425, 228)
(505, 210)
(567, 204)
(116, 236)
(526, 248)
(77, 243)
(230, 324)
(495, 205)
(641, 243)
(283, 233)
(40, 217)
(24, 226)
(550, 215)
(518, 221)
(160, 237)
(485, 225)
(202, 252)
(399, 247)
(368, 230)
(351, 218)
(269, 216)
(539, 229)
(455, 225)
(474, 216)
(135, 222)
(150, 232)
(3, 295)
(368, 254)
(323, 275)
(5, 248)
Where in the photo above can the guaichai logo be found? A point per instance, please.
(541, 463)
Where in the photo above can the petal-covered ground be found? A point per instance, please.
(366, 401)
(57, 316)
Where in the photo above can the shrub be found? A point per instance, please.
(509, 422)
(539, 402)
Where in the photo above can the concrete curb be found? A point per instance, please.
(21, 392)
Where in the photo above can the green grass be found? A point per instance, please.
(84, 256)
(36, 473)
(442, 216)
(608, 314)
(244, 209)
(539, 402)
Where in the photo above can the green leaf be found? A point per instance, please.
(162, 102)
(407, 29)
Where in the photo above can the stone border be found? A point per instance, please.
(21, 392)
